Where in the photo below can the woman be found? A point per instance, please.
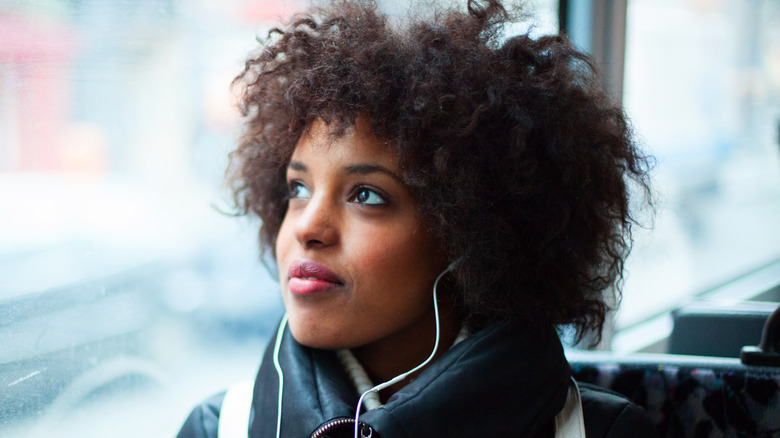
(439, 199)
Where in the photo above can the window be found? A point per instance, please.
(701, 87)
(125, 296)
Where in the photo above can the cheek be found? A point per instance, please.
(394, 256)
(282, 247)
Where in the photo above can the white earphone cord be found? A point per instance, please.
(279, 334)
(400, 377)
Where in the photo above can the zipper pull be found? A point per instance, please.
(366, 431)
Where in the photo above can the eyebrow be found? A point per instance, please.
(297, 165)
(365, 169)
(353, 169)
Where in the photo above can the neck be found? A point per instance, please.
(386, 360)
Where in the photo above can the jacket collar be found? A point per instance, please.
(506, 379)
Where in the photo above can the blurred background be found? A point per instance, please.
(127, 296)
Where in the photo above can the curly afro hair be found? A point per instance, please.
(520, 163)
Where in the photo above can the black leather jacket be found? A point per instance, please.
(506, 380)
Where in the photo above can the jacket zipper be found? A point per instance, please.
(341, 421)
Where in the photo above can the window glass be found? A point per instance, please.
(126, 297)
(702, 86)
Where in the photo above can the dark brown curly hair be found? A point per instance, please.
(518, 160)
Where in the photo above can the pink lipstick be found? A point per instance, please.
(307, 277)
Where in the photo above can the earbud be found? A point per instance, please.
(454, 264)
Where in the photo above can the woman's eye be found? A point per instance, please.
(368, 197)
(298, 190)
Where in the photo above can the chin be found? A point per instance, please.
(316, 337)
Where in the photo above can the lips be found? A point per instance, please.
(307, 277)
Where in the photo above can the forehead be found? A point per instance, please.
(357, 144)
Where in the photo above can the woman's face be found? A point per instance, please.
(356, 265)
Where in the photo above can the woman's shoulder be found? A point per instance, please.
(203, 421)
(610, 415)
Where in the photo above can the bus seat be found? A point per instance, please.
(718, 328)
(690, 396)
(767, 353)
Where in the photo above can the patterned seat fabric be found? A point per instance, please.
(690, 396)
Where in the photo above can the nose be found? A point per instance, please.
(317, 225)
